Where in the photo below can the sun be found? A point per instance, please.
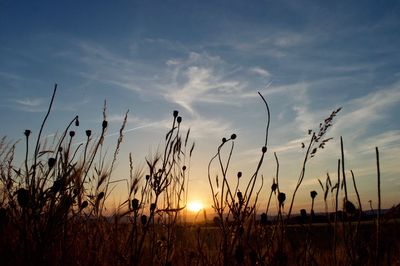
(195, 206)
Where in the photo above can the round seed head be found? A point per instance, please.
(240, 196)
(88, 133)
(281, 198)
(100, 196)
(60, 149)
(184, 168)
(77, 121)
(313, 194)
(239, 174)
(264, 149)
(179, 119)
(233, 136)
(27, 132)
(135, 204)
(72, 133)
(51, 162)
(175, 113)
(104, 124)
(223, 140)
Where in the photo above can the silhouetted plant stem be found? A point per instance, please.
(378, 224)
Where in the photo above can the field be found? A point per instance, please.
(53, 209)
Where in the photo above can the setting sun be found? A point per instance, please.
(195, 206)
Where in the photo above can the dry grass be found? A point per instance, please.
(53, 211)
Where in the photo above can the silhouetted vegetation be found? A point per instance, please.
(53, 207)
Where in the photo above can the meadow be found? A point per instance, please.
(53, 207)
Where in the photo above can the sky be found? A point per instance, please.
(208, 59)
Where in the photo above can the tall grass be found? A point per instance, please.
(54, 207)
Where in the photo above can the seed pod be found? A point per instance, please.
(23, 197)
(223, 140)
(240, 196)
(72, 133)
(313, 194)
(274, 186)
(264, 149)
(88, 133)
(281, 198)
(77, 121)
(184, 168)
(239, 174)
(100, 196)
(152, 207)
(27, 132)
(104, 124)
(175, 113)
(135, 204)
(233, 136)
(51, 162)
(179, 119)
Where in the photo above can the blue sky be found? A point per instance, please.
(208, 59)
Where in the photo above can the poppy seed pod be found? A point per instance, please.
(72, 133)
(27, 132)
(175, 113)
(179, 119)
(88, 133)
(274, 187)
(184, 168)
(313, 194)
(77, 121)
(240, 196)
(233, 136)
(51, 162)
(281, 198)
(223, 140)
(100, 196)
(135, 204)
(239, 174)
(104, 124)
(264, 149)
